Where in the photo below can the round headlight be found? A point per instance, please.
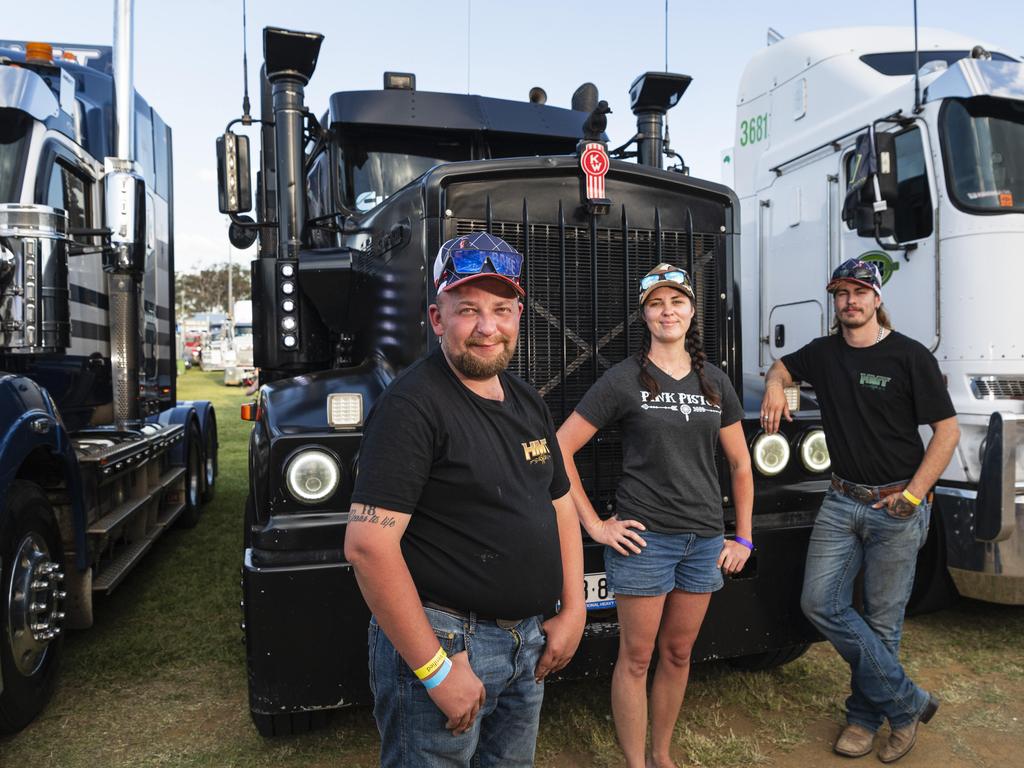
(814, 451)
(312, 475)
(771, 454)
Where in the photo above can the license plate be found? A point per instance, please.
(597, 592)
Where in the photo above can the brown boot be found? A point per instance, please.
(902, 740)
(854, 741)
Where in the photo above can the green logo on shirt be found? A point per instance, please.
(871, 381)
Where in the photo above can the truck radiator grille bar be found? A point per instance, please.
(582, 285)
(998, 387)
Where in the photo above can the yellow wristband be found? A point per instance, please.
(911, 498)
(431, 666)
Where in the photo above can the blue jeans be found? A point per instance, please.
(411, 726)
(670, 561)
(848, 534)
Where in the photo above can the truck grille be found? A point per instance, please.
(998, 387)
(582, 289)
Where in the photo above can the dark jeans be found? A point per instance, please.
(411, 726)
(848, 534)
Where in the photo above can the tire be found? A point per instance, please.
(288, 723)
(757, 662)
(32, 557)
(933, 586)
(210, 460)
(189, 516)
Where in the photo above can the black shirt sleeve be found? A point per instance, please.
(395, 455)
(559, 479)
(932, 402)
(732, 409)
(802, 363)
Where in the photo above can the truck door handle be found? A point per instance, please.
(780, 335)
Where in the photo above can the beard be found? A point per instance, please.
(473, 367)
(856, 320)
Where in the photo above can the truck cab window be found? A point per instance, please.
(982, 139)
(374, 167)
(914, 202)
(69, 191)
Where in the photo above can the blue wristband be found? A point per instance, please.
(740, 540)
(438, 677)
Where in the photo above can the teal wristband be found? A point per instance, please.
(438, 677)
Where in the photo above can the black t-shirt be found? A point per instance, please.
(669, 478)
(872, 400)
(478, 477)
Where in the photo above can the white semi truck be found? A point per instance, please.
(941, 212)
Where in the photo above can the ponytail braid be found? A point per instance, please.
(695, 346)
(646, 379)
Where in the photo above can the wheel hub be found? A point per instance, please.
(34, 603)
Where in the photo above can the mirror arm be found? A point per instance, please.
(240, 222)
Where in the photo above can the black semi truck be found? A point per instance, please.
(351, 209)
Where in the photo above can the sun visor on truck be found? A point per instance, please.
(978, 77)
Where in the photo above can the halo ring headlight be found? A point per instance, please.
(814, 451)
(312, 475)
(771, 453)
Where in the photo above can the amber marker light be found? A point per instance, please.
(38, 53)
(250, 411)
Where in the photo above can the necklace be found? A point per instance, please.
(881, 334)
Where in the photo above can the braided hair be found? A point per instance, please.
(695, 348)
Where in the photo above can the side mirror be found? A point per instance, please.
(871, 186)
(234, 192)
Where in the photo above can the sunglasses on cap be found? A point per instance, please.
(857, 271)
(676, 276)
(472, 262)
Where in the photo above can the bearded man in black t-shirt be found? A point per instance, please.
(874, 387)
(462, 532)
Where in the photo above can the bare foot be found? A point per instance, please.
(661, 762)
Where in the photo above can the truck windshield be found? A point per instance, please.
(373, 169)
(14, 136)
(983, 150)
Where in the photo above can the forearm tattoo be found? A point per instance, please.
(368, 514)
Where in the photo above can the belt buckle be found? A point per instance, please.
(860, 493)
(507, 624)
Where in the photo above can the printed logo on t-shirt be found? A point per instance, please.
(873, 381)
(537, 451)
(682, 402)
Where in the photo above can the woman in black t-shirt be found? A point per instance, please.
(673, 409)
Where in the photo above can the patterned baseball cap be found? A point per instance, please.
(474, 256)
(856, 271)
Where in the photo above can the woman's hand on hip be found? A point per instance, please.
(619, 535)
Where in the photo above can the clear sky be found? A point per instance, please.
(188, 59)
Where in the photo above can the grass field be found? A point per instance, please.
(160, 679)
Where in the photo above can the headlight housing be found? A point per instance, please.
(814, 451)
(771, 453)
(312, 475)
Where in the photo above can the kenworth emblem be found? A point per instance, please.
(594, 162)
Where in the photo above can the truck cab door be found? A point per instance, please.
(908, 267)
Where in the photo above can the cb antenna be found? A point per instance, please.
(917, 67)
(246, 117)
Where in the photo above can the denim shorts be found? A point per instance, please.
(670, 561)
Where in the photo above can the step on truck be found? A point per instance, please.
(850, 144)
(351, 209)
(97, 457)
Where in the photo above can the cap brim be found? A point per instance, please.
(833, 284)
(671, 284)
(482, 275)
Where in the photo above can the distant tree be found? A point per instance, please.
(207, 289)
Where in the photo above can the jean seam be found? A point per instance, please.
(893, 695)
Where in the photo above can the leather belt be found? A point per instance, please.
(868, 494)
(470, 615)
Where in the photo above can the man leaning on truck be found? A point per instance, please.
(874, 387)
(462, 533)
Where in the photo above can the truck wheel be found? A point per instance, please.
(933, 586)
(210, 445)
(31, 597)
(770, 659)
(288, 723)
(193, 478)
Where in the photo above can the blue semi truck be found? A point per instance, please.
(97, 456)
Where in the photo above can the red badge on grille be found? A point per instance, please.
(594, 162)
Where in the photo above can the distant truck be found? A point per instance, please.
(240, 369)
(841, 151)
(97, 456)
